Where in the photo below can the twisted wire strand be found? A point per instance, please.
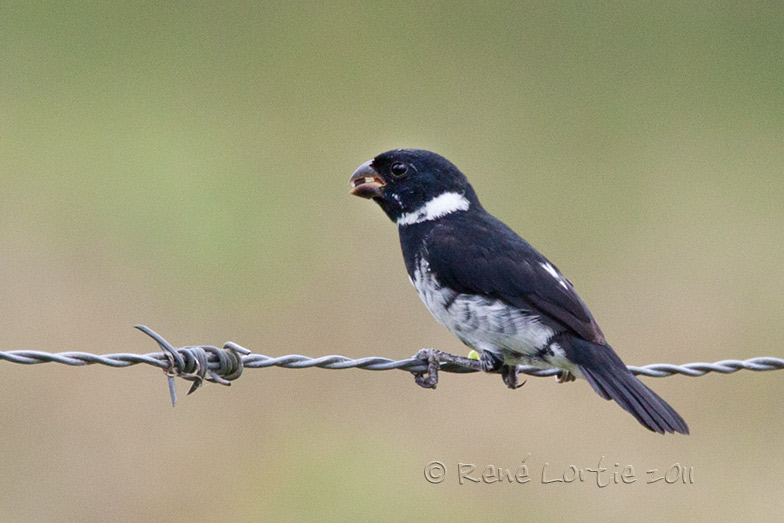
(206, 362)
(655, 370)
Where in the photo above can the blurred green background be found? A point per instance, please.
(185, 164)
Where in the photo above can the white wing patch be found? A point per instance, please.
(551, 270)
(441, 205)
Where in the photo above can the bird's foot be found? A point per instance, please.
(564, 376)
(509, 375)
(490, 362)
(429, 378)
(436, 360)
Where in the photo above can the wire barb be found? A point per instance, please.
(191, 363)
(200, 363)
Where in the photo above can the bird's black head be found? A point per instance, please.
(412, 184)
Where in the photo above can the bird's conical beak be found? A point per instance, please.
(366, 182)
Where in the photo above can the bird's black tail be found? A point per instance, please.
(610, 378)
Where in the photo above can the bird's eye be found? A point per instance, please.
(398, 169)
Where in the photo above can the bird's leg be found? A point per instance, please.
(509, 374)
(564, 376)
(489, 362)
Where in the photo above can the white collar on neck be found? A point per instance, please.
(441, 205)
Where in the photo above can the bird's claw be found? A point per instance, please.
(492, 363)
(429, 378)
(509, 375)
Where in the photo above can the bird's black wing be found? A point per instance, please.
(481, 255)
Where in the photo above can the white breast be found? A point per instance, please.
(483, 323)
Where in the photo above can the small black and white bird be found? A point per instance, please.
(491, 288)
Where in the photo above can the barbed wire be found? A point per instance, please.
(199, 363)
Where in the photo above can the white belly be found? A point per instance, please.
(484, 323)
